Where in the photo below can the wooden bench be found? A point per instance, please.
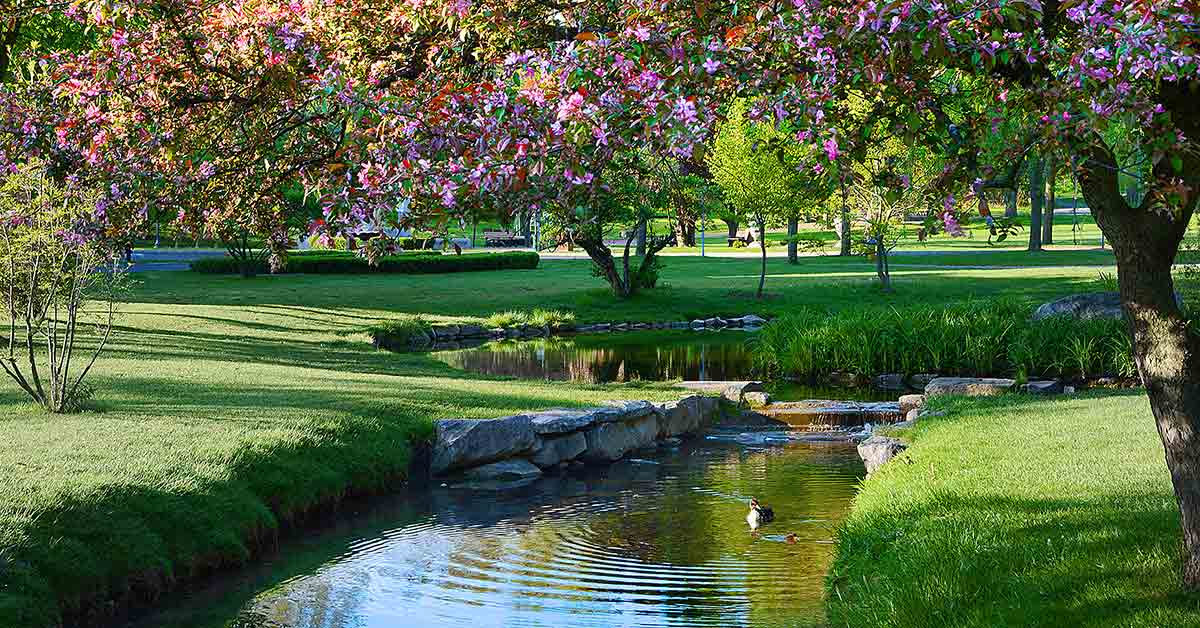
(502, 238)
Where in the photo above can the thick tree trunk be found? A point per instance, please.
(1036, 201)
(1010, 203)
(733, 229)
(685, 229)
(1051, 199)
(641, 238)
(793, 229)
(1167, 354)
(602, 257)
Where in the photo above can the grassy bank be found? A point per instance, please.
(229, 405)
(1018, 512)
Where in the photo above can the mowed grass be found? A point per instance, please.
(227, 407)
(1018, 511)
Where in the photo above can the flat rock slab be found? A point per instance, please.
(822, 413)
(1050, 387)
(713, 387)
(513, 469)
(461, 443)
(562, 421)
(876, 451)
(969, 386)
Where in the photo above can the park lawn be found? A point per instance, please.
(229, 406)
(1018, 511)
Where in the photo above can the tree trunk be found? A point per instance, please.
(685, 228)
(1167, 354)
(1010, 203)
(1051, 199)
(641, 238)
(732, 223)
(793, 228)
(1037, 193)
(762, 246)
(602, 257)
(843, 226)
(881, 266)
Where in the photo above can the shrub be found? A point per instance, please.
(401, 333)
(58, 276)
(976, 339)
(428, 262)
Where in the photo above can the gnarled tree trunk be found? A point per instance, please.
(1167, 354)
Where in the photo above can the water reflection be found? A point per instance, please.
(659, 356)
(660, 541)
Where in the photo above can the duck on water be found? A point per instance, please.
(759, 514)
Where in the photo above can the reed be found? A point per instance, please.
(974, 338)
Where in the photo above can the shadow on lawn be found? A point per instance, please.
(1038, 562)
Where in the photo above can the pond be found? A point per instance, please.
(617, 357)
(656, 541)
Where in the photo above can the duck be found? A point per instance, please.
(759, 514)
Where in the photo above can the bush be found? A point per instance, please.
(328, 262)
(986, 338)
(402, 333)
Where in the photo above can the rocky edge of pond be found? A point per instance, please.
(446, 336)
(524, 446)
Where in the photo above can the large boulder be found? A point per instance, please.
(462, 443)
(736, 391)
(878, 450)
(889, 381)
(503, 471)
(969, 386)
(1043, 387)
(611, 441)
(681, 417)
(550, 452)
(1087, 306)
(625, 410)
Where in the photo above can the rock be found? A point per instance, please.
(921, 380)
(911, 416)
(558, 450)
(1048, 387)
(563, 328)
(624, 411)
(505, 470)
(681, 417)
(471, 331)
(878, 450)
(611, 441)
(969, 386)
(757, 399)
(680, 325)
(904, 425)
(843, 380)
(601, 327)
(751, 320)
(1068, 390)
(446, 332)
(620, 327)
(697, 324)
(736, 391)
(461, 443)
(910, 402)
(889, 381)
(820, 414)
(512, 333)
(552, 422)
(1088, 306)
(641, 326)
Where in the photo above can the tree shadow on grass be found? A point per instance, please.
(997, 561)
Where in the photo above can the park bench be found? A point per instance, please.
(502, 238)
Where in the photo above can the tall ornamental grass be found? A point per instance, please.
(979, 338)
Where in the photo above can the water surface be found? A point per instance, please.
(656, 541)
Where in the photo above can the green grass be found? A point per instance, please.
(1018, 512)
(228, 406)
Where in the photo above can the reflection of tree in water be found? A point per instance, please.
(616, 359)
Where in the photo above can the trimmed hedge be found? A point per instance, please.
(322, 262)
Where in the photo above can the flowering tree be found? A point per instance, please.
(1061, 74)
